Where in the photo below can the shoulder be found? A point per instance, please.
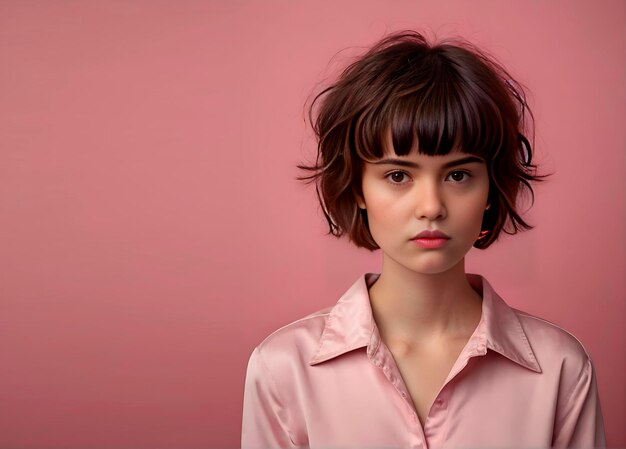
(571, 383)
(555, 348)
(295, 342)
(336, 329)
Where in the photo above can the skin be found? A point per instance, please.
(422, 296)
(423, 305)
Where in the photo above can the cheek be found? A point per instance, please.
(379, 216)
(389, 211)
(474, 211)
(379, 204)
(385, 217)
(475, 201)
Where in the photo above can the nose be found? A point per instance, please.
(429, 202)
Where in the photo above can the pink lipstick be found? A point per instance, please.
(431, 239)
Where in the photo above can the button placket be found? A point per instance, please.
(383, 359)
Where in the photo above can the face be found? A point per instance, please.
(404, 196)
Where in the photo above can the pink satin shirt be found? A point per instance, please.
(328, 381)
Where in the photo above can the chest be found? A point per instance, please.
(425, 371)
(491, 402)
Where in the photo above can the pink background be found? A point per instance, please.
(152, 232)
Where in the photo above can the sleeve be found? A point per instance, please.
(579, 422)
(265, 419)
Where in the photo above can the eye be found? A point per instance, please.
(459, 176)
(398, 177)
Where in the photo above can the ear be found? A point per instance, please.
(359, 200)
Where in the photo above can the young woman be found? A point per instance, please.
(422, 154)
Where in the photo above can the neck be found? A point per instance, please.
(420, 307)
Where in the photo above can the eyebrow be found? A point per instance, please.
(405, 163)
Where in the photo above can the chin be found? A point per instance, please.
(435, 262)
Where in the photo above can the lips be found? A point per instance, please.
(431, 235)
(431, 239)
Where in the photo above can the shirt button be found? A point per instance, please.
(439, 402)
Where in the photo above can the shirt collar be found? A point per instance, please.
(350, 325)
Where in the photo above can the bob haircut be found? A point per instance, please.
(446, 97)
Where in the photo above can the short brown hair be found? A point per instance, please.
(448, 96)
